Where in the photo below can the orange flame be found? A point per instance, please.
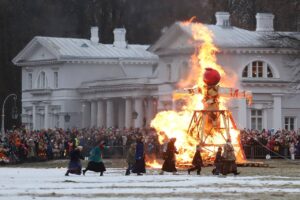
(169, 124)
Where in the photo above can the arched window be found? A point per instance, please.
(42, 81)
(257, 69)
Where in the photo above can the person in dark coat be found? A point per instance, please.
(218, 162)
(139, 166)
(75, 163)
(197, 161)
(95, 159)
(170, 158)
(130, 158)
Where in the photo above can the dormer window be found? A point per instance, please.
(257, 69)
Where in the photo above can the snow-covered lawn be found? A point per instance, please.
(31, 183)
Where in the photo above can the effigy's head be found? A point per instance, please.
(211, 77)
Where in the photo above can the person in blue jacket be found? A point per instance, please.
(139, 166)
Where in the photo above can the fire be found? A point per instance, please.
(153, 164)
(170, 124)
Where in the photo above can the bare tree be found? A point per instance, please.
(289, 40)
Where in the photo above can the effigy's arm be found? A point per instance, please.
(181, 93)
(222, 91)
(236, 93)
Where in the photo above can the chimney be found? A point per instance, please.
(120, 37)
(223, 19)
(94, 35)
(264, 22)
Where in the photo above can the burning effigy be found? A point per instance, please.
(204, 118)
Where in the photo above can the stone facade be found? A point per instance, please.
(82, 83)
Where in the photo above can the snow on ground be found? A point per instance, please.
(31, 183)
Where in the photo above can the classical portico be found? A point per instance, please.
(119, 112)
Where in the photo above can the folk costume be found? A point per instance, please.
(95, 159)
(170, 158)
(130, 158)
(75, 166)
(139, 166)
(218, 162)
(229, 159)
(197, 161)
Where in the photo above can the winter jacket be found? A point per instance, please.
(96, 154)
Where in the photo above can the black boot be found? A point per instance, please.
(127, 173)
(83, 172)
(198, 172)
(67, 173)
(139, 174)
(189, 171)
(236, 173)
(101, 173)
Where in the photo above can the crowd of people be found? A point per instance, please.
(278, 141)
(22, 145)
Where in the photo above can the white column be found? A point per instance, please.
(277, 112)
(100, 113)
(46, 117)
(33, 117)
(128, 113)
(93, 114)
(86, 116)
(62, 123)
(242, 114)
(138, 107)
(121, 114)
(150, 110)
(265, 118)
(82, 114)
(109, 113)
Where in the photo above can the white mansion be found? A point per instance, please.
(70, 82)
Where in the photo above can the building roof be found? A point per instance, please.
(73, 48)
(234, 37)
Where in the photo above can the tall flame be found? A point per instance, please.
(170, 124)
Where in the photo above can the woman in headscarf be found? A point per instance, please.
(95, 159)
(197, 161)
(139, 166)
(130, 158)
(75, 163)
(170, 158)
(229, 159)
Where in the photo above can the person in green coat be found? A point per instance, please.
(130, 158)
(95, 159)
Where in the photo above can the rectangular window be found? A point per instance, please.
(256, 119)
(289, 123)
(55, 79)
(29, 81)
